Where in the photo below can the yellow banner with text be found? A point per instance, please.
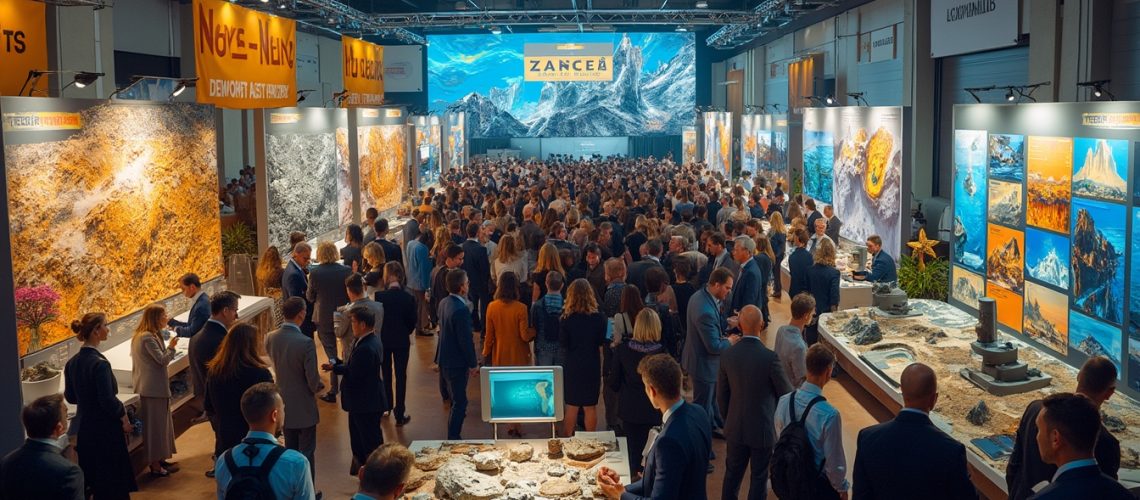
(23, 42)
(245, 59)
(363, 72)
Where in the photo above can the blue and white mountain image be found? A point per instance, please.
(653, 90)
(1052, 270)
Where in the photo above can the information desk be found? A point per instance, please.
(121, 363)
(920, 337)
(536, 469)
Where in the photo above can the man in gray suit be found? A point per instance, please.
(294, 358)
(750, 381)
(704, 341)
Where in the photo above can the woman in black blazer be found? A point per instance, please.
(235, 368)
(352, 255)
(399, 322)
(581, 335)
(636, 412)
(823, 284)
(100, 417)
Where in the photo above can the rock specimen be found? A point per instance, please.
(558, 488)
(853, 327)
(1113, 424)
(583, 450)
(417, 478)
(525, 489)
(869, 335)
(979, 414)
(521, 453)
(554, 448)
(431, 461)
(456, 480)
(556, 470)
(934, 335)
(488, 460)
(422, 496)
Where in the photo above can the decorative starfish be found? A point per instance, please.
(923, 247)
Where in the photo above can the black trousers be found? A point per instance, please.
(777, 283)
(736, 461)
(394, 367)
(636, 435)
(364, 435)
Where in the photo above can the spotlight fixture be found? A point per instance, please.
(817, 101)
(495, 30)
(829, 100)
(178, 90)
(858, 97)
(1099, 89)
(1009, 95)
(281, 6)
(337, 98)
(702, 4)
(681, 29)
(302, 94)
(80, 79)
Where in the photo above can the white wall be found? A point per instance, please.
(148, 27)
(81, 39)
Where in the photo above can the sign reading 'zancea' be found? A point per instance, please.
(568, 62)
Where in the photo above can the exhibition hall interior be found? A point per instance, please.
(377, 249)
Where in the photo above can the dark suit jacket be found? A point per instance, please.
(350, 254)
(362, 389)
(832, 231)
(203, 347)
(399, 319)
(677, 464)
(1084, 482)
(811, 218)
(703, 341)
(727, 263)
(1026, 469)
(798, 263)
(823, 284)
(637, 270)
(750, 382)
(38, 470)
(883, 269)
(326, 292)
(223, 401)
(456, 344)
(293, 281)
(391, 250)
(909, 457)
(478, 267)
(749, 288)
(199, 313)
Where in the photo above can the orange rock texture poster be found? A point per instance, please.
(1005, 261)
(244, 59)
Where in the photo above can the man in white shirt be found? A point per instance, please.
(289, 477)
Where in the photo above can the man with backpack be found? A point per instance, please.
(808, 461)
(545, 317)
(260, 468)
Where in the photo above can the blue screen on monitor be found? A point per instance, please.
(522, 394)
(642, 84)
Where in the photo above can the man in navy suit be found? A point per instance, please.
(362, 388)
(882, 265)
(676, 464)
(391, 250)
(799, 262)
(478, 267)
(38, 469)
(457, 360)
(295, 283)
(812, 213)
(199, 311)
(1067, 429)
(750, 288)
(704, 341)
(909, 457)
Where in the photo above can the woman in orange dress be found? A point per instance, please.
(508, 335)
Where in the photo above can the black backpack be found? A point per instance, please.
(252, 482)
(793, 470)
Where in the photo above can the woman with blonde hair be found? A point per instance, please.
(582, 332)
(508, 258)
(374, 260)
(823, 285)
(442, 240)
(548, 260)
(270, 267)
(327, 292)
(778, 237)
(151, 357)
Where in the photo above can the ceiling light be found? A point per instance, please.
(702, 4)
(682, 29)
(281, 6)
(1009, 95)
(178, 90)
(830, 100)
(496, 30)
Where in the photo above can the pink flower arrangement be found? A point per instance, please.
(36, 305)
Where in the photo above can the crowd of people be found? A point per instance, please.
(633, 275)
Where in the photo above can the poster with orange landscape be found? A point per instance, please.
(1008, 306)
(1050, 165)
(1005, 258)
(1047, 317)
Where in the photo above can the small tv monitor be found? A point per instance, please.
(519, 394)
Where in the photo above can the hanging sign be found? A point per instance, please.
(878, 45)
(964, 26)
(363, 72)
(23, 42)
(245, 59)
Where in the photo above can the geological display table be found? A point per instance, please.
(515, 468)
(941, 338)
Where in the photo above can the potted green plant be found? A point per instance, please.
(238, 239)
(39, 380)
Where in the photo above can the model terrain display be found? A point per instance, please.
(383, 162)
(558, 468)
(111, 213)
(942, 338)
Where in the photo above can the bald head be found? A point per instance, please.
(919, 387)
(751, 321)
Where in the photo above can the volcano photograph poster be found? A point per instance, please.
(565, 84)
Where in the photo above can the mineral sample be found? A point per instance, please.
(869, 335)
(417, 478)
(556, 470)
(554, 448)
(979, 414)
(521, 453)
(558, 488)
(301, 172)
(488, 460)
(456, 480)
(1112, 423)
(853, 327)
(431, 461)
(422, 496)
(583, 450)
(933, 337)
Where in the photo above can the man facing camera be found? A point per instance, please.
(882, 264)
(909, 456)
(1067, 429)
(363, 393)
(385, 474)
(37, 469)
(677, 463)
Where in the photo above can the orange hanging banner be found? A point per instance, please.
(245, 59)
(363, 72)
(23, 42)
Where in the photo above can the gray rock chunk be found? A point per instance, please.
(521, 453)
(488, 461)
(979, 414)
(456, 480)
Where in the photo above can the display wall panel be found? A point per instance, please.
(382, 157)
(718, 142)
(109, 203)
(1077, 162)
(426, 157)
(764, 145)
(307, 172)
(455, 150)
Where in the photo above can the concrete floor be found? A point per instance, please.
(429, 418)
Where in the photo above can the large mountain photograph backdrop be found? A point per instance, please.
(653, 90)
